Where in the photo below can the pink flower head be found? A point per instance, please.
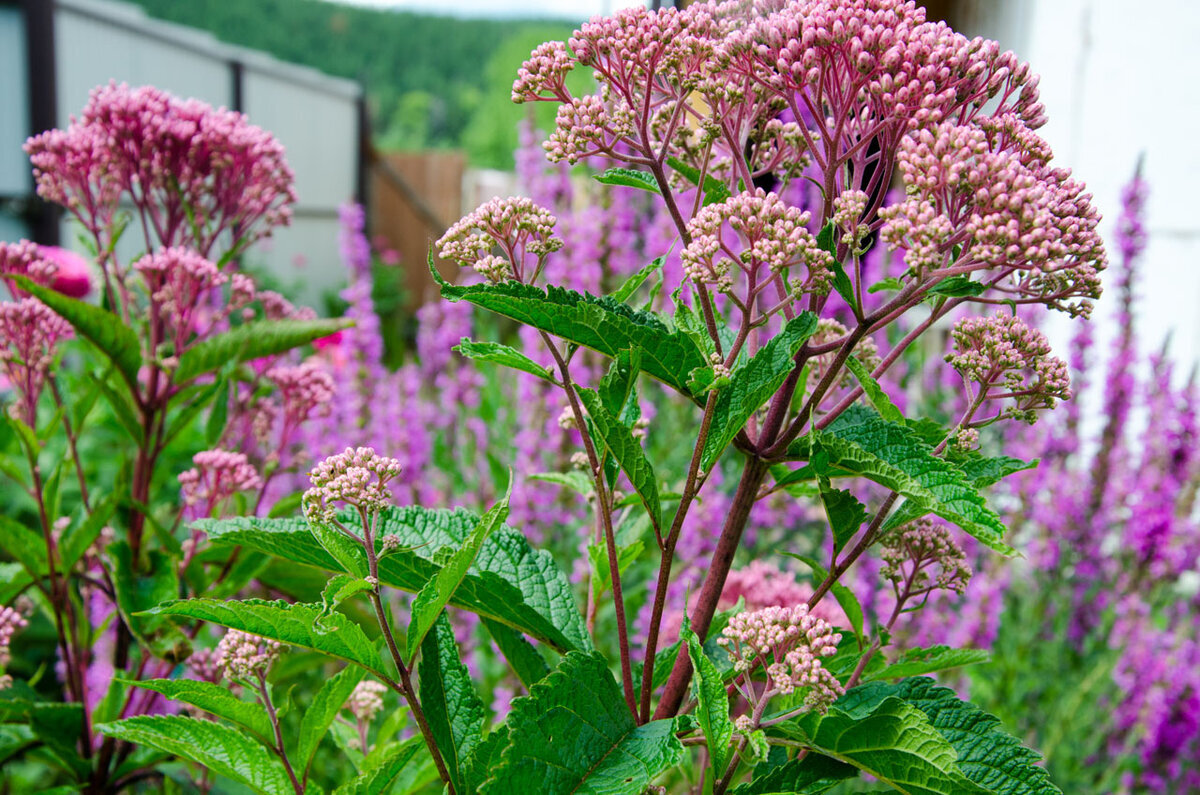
(72, 274)
(30, 332)
(195, 171)
(243, 657)
(912, 551)
(216, 476)
(329, 341)
(177, 280)
(305, 391)
(25, 258)
(355, 477)
(788, 642)
(367, 700)
(516, 225)
(10, 622)
(1003, 358)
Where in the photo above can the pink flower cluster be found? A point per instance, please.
(11, 621)
(25, 258)
(771, 234)
(178, 279)
(304, 391)
(192, 171)
(516, 225)
(910, 553)
(1003, 352)
(31, 333)
(788, 642)
(246, 658)
(367, 699)
(356, 477)
(216, 476)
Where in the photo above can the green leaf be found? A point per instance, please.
(574, 733)
(251, 341)
(890, 740)
(215, 700)
(618, 439)
(485, 757)
(23, 544)
(436, 593)
(959, 286)
(844, 596)
(140, 590)
(861, 442)
(629, 178)
(845, 513)
(874, 392)
(222, 749)
(602, 324)
(80, 536)
(827, 239)
(380, 768)
(320, 713)
(712, 703)
(574, 480)
(915, 662)
(339, 588)
(349, 554)
(451, 705)
(509, 581)
(891, 283)
(293, 624)
(526, 662)
(987, 755)
(811, 776)
(617, 389)
(59, 727)
(715, 190)
(13, 580)
(983, 472)
(502, 355)
(753, 384)
(102, 328)
(631, 284)
(601, 571)
(214, 428)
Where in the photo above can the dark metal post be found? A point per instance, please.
(43, 101)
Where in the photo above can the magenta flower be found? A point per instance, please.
(31, 333)
(72, 274)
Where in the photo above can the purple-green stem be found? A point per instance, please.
(264, 693)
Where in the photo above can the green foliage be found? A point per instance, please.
(617, 438)
(574, 733)
(381, 767)
(251, 341)
(628, 178)
(320, 713)
(503, 355)
(215, 700)
(222, 749)
(526, 662)
(451, 705)
(508, 582)
(712, 703)
(915, 662)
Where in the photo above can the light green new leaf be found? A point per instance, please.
(714, 189)
(222, 749)
(320, 713)
(874, 392)
(863, 443)
(602, 324)
(574, 480)
(293, 624)
(509, 581)
(526, 662)
(712, 703)
(349, 554)
(252, 341)
(617, 388)
(987, 755)
(915, 662)
(618, 439)
(503, 355)
(339, 588)
(215, 700)
(630, 285)
(436, 593)
(629, 178)
(451, 705)
(752, 384)
(574, 733)
(102, 328)
(601, 571)
(381, 767)
(890, 740)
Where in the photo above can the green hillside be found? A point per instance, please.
(432, 81)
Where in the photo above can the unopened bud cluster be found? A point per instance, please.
(516, 226)
(922, 556)
(366, 701)
(243, 657)
(354, 477)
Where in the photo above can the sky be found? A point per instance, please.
(567, 9)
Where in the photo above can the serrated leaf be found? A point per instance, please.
(293, 624)
(80, 536)
(983, 472)
(863, 443)
(222, 749)
(436, 593)
(320, 713)
(485, 757)
(845, 513)
(381, 768)
(810, 776)
(890, 283)
(915, 662)
(959, 286)
(102, 328)
(601, 571)
(712, 703)
(349, 554)
(844, 596)
(574, 480)
(451, 705)
(874, 392)
(629, 178)
(753, 384)
(251, 341)
(574, 733)
(509, 581)
(339, 588)
(636, 280)
(987, 755)
(617, 388)
(503, 355)
(890, 740)
(618, 439)
(23, 544)
(827, 240)
(215, 700)
(526, 662)
(140, 590)
(602, 324)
